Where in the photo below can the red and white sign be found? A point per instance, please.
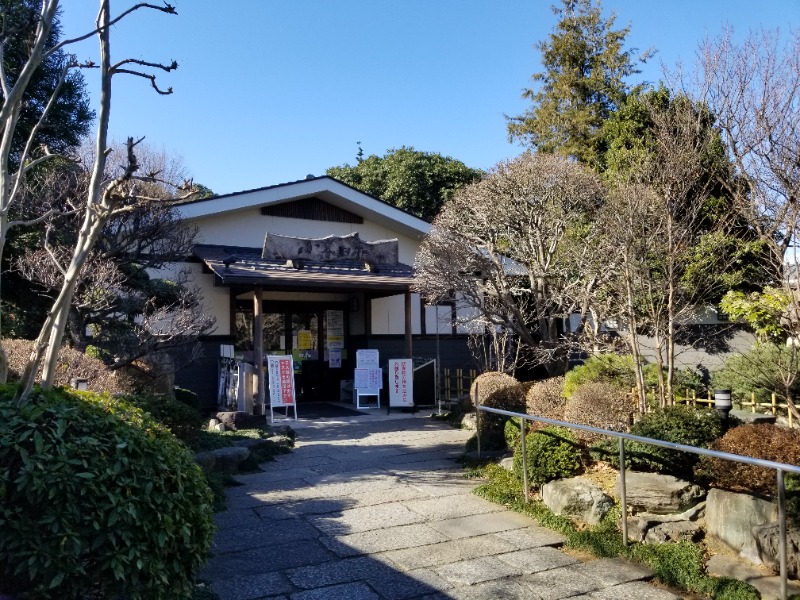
(401, 382)
(281, 380)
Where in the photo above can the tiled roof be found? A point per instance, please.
(246, 267)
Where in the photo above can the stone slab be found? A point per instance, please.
(366, 518)
(347, 591)
(438, 509)
(636, 590)
(535, 560)
(613, 571)
(447, 552)
(480, 524)
(476, 570)
(394, 538)
(251, 587)
(531, 537)
(335, 572)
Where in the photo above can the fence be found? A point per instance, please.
(691, 398)
(456, 383)
(780, 468)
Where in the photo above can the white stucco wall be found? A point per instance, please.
(248, 227)
(389, 315)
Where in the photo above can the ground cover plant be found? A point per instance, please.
(97, 498)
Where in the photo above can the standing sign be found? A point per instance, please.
(368, 376)
(401, 382)
(281, 384)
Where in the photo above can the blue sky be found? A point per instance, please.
(269, 91)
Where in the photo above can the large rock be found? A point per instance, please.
(236, 419)
(578, 498)
(642, 523)
(678, 531)
(768, 545)
(224, 460)
(659, 494)
(731, 518)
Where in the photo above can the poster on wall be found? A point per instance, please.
(367, 359)
(335, 358)
(335, 328)
(304, 340)
(281, 381)
(401, 382)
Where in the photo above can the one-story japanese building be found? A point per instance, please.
(325, 270)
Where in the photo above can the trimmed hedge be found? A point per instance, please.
(97, 498)
(677, 424)
(496, 390)
(552, 453)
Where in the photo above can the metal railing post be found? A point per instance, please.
(524, 461)
(623, 498)
(782, 533)
(477, 421)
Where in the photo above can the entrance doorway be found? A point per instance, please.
(314, 334)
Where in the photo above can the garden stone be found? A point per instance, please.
(679, 531)
(253, 444)
(659, 494)
(640, 524)
(507, 463)
(731, 517)
(212, 423)
(748, 417)
(219, 427)
(469, 422)
(577, 497)
(236, 419)
(206, 460)
(225, 460)
(768, 545)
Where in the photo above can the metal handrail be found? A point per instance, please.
(780, 468)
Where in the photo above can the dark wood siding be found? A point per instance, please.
(313, 209)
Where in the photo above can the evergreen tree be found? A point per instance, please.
(583, 83)
(414, 181)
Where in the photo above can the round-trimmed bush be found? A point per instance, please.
(599, 404)
(607, 368)
(97, 498)
(677, 424)
(546, 399)
(762, 440)
(552, 453)
(496, 390)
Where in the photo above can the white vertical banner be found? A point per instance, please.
(281, 383)
(401, 382)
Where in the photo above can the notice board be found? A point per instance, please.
(401, 382)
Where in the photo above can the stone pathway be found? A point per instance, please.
(377, 509)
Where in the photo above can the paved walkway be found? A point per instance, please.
(376, 508)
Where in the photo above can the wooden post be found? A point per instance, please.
(752, 402)
(774, 403)
(409, 349)
(258, 349)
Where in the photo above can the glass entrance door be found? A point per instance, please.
(305, 336)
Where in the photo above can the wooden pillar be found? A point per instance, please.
(408, 325)
(258, 350)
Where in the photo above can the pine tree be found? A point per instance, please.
(583, 82)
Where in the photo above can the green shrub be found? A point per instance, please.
(188, 397)
(552, 453)
(760, 371)
(600, 404)
(765, 441)
(184, 422)
(496, 390)
(513, 432)
(677, 424)
(97, 498)
(607, 368)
